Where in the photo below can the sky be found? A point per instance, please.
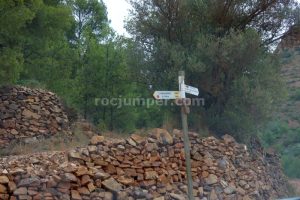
(117, 12)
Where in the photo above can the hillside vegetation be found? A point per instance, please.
(283, 134)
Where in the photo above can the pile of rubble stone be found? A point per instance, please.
(151, 167)
(29, 113)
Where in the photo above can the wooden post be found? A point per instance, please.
(184, 113)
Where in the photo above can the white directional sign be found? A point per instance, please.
(191, 90)
(166, 95)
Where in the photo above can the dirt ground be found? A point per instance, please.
(296, 184)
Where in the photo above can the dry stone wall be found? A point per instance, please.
(151, 167)
(29, 113)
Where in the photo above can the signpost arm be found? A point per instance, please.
(186, 137)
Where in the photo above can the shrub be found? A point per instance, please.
(291, 166)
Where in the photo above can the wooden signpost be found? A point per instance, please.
(181, 99)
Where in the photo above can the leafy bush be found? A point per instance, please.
(274, 130)
(291, 166)
(32, 83)
(296, 95)
(286, 141)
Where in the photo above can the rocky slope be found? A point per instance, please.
(282, 134)
(138, 167)
(289, 49)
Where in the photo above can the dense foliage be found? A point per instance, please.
(223, 47)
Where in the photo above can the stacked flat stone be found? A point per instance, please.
(29, 113)
(151, 167)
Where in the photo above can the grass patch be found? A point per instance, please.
(58, 142)
(291, 165)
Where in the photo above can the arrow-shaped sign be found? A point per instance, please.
(191, 90)
(166, 95)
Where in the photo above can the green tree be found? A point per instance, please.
(222, 48)
(33, 44)
(47, 52)
(90, 29)
(91, 20)
(14, 16)
(106, 76)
